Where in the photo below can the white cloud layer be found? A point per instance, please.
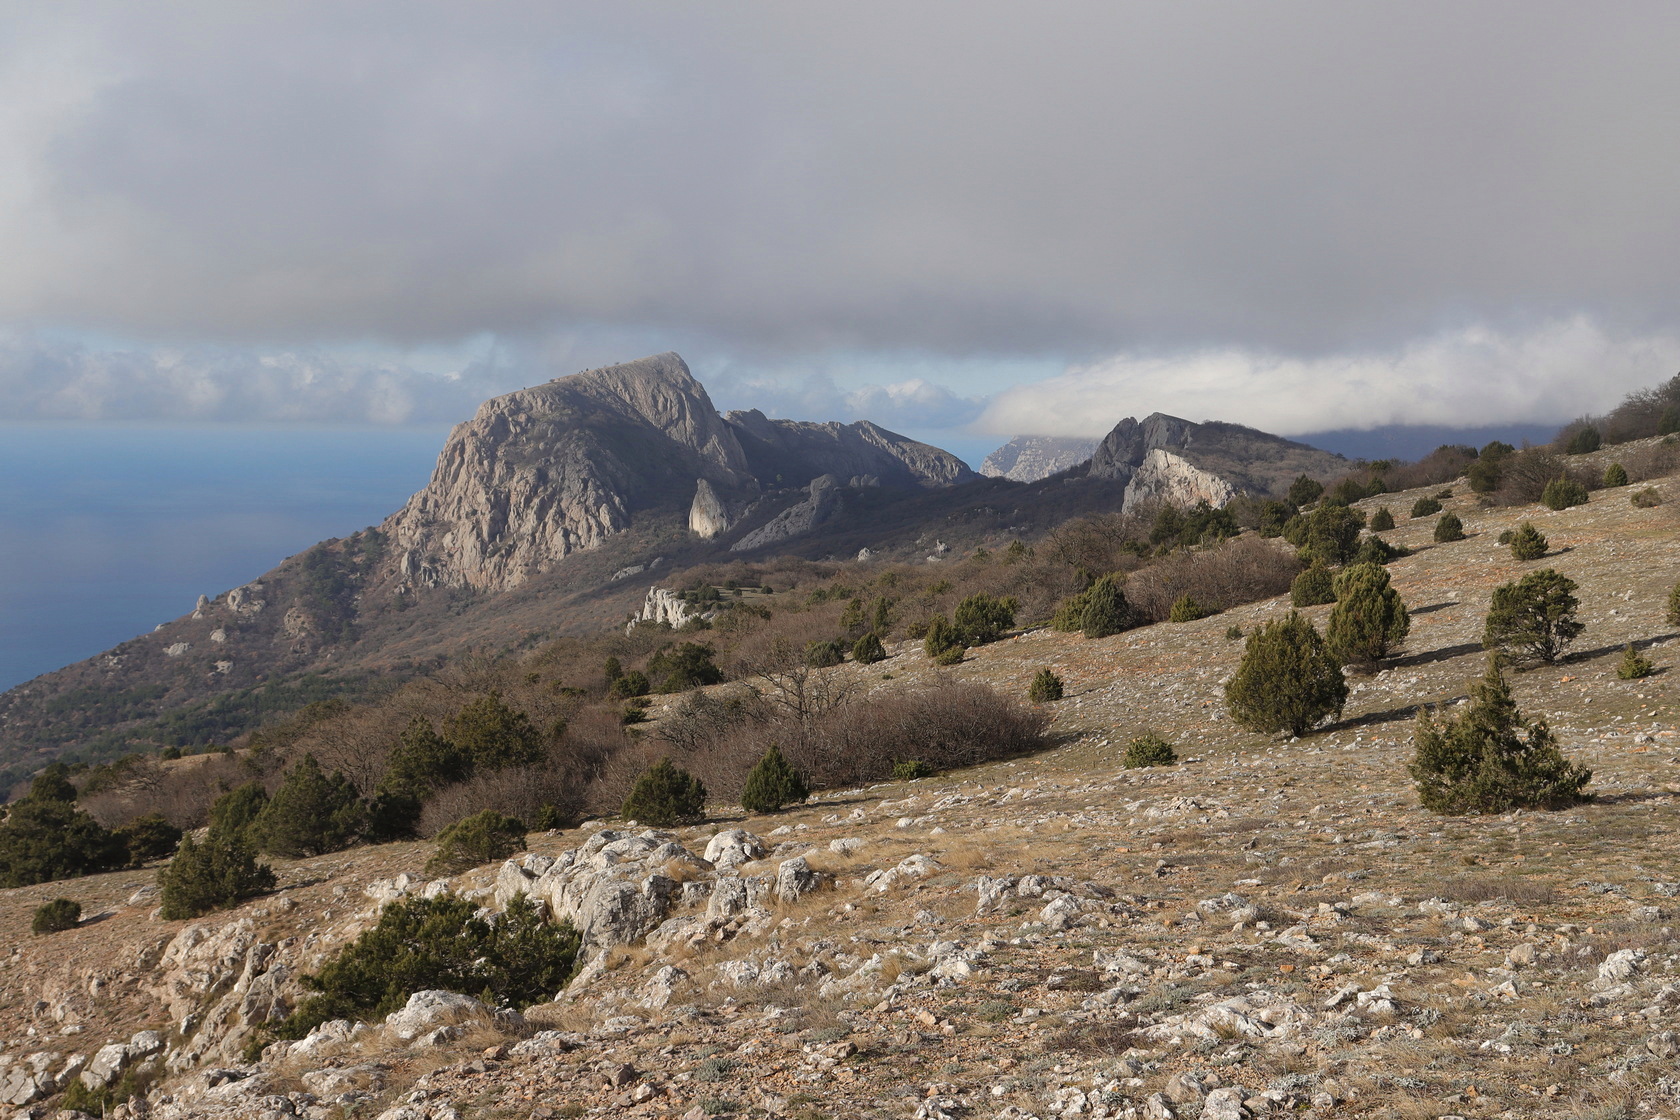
(1460, 379)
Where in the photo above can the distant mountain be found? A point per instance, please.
(545, 472)
(1165, 458)
(1030, 458)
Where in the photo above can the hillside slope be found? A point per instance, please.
(1271, 926)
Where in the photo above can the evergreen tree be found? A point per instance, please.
(1106, 611)
(1633, 667)
(1528, 543)
(1148, 749)
(868, 649)
(1375, 550)
(1313, 587)
(852, 619)
(52, 784)
(1304, 491)
(46, 838)
(1332, 534)
(1046, 687)
(1491, 760)
(1615, 475)
(1425, 507)
(611, 670)
(423, 762)
(1186, 609)
(147, 838)
(983, 618)
(941, 639)
(773, 783)
(880, 622)
(237, 810)
(1449, 528)
(311, 813)
(1585, 441)
(221, 872)
(1288, 679)
(493, 734)
(628, 685)
(484, 837)
(1671, 612)
(824, 654)
(1533, 619)
(1382, 521)
(1369, 620)
(665, 795)
(1563, 492)
(684, 666)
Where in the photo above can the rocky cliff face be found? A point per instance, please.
(1204, 459)
(1030, 458)
(793, 452)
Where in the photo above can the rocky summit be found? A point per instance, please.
(1164, 458)
(1030, 458)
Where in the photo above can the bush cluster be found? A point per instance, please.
(868, 649)
(45, 836)
(980, 619)
(1563, 492)
(220, 872)
(1186, 609)
(420, 944)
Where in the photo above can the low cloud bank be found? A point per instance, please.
(1458, 379)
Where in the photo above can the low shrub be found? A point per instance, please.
(1533, 619)
(220, 872)
(1449, 528)
(941, 639)
(979, 619)
(772, 784)
(1382, 520)
(1585, 441)
(484, 837)
(1633, 667)
(824, 654)
(1186, 609)
(1490, 759)
(1375, 550)
(1506, 536)
(1288, 679)
(911, 769)
(950, 655)
(1563, 492)
(1046, 687)
(1313, 587)
(149, 838)
(1424, 507)
(1646, 498)
(421, 944)
(628, 685)
(56, 916)
(1528, 543)
(1233, 633)
(665, 795)
(868, 649)
(1615, 475)
(1148, 749)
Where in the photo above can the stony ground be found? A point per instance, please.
(1267, 928)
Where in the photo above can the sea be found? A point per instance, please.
(107, 530)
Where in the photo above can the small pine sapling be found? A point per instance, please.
(1528, 543)
(772, 784)
(1633, 667)
(1046, 687)
(1615, 475)
(1383, 520)
(1449, 528)
(1148, 749)
(665, 795)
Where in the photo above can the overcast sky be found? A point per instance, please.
(1012, 217)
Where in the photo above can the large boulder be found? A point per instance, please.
(734, 847)
(436, 1016)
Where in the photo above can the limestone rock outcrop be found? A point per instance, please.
(794, 452)
(822, 502)
(1030, 458)
(708, 516)
(663, 605)
(1239, 458)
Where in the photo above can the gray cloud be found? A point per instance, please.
(785, 179)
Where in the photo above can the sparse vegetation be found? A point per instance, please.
(1490, 759)
(1646, 498)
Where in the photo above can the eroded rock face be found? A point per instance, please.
(1241, 458)
(1172, 480)
(793, 452)
(225, 982)
(547, 471)
(664, 605)
(821, 503)
(708, 516)
(1030, 458)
